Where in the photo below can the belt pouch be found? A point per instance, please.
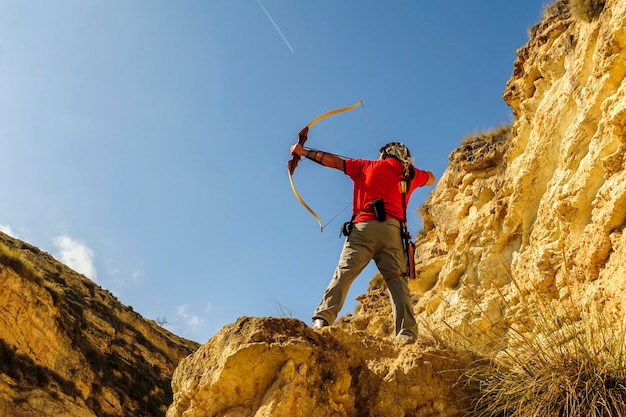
(379, 209)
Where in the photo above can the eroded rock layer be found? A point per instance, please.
(539, 211)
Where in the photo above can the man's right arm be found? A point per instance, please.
(431, 178)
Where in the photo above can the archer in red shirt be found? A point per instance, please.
(373, 235)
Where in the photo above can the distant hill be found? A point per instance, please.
(70, 348)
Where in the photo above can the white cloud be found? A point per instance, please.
(192, 323)
(5, 228)
(208, 307)
(76, 255)
(135, 276)
(187, 324)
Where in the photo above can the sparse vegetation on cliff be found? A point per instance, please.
(557, 361)
(495, 135)
(588, 9)
(482, 150)
(574, 370)
(14, 260)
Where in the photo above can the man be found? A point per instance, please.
(375, 230)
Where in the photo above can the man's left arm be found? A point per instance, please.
(323, 158)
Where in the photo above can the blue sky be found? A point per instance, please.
(145, 143)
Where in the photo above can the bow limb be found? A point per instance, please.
(292, 164)
(335, 111)
(306, 206)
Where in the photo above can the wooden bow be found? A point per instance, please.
(292, 164)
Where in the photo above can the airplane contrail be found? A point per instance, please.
(280, 32)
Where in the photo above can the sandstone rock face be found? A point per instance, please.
(69, 348)
(281, 367)
(542, 212)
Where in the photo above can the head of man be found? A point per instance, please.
(397, 150)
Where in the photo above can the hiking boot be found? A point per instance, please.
(405, 338)
(319, 323)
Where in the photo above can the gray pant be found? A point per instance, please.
(382, 242)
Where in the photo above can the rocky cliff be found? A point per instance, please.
(282, 367)
(70, 348)
(527, 216)
(539, 209)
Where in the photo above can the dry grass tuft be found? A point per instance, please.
(557, 359)
(483, 150)
(573, 370)
(495, 135)
(13, 259)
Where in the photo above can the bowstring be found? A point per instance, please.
(336, 215)
(369, 124)
(373, 136)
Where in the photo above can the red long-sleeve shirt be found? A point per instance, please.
(379, 179)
